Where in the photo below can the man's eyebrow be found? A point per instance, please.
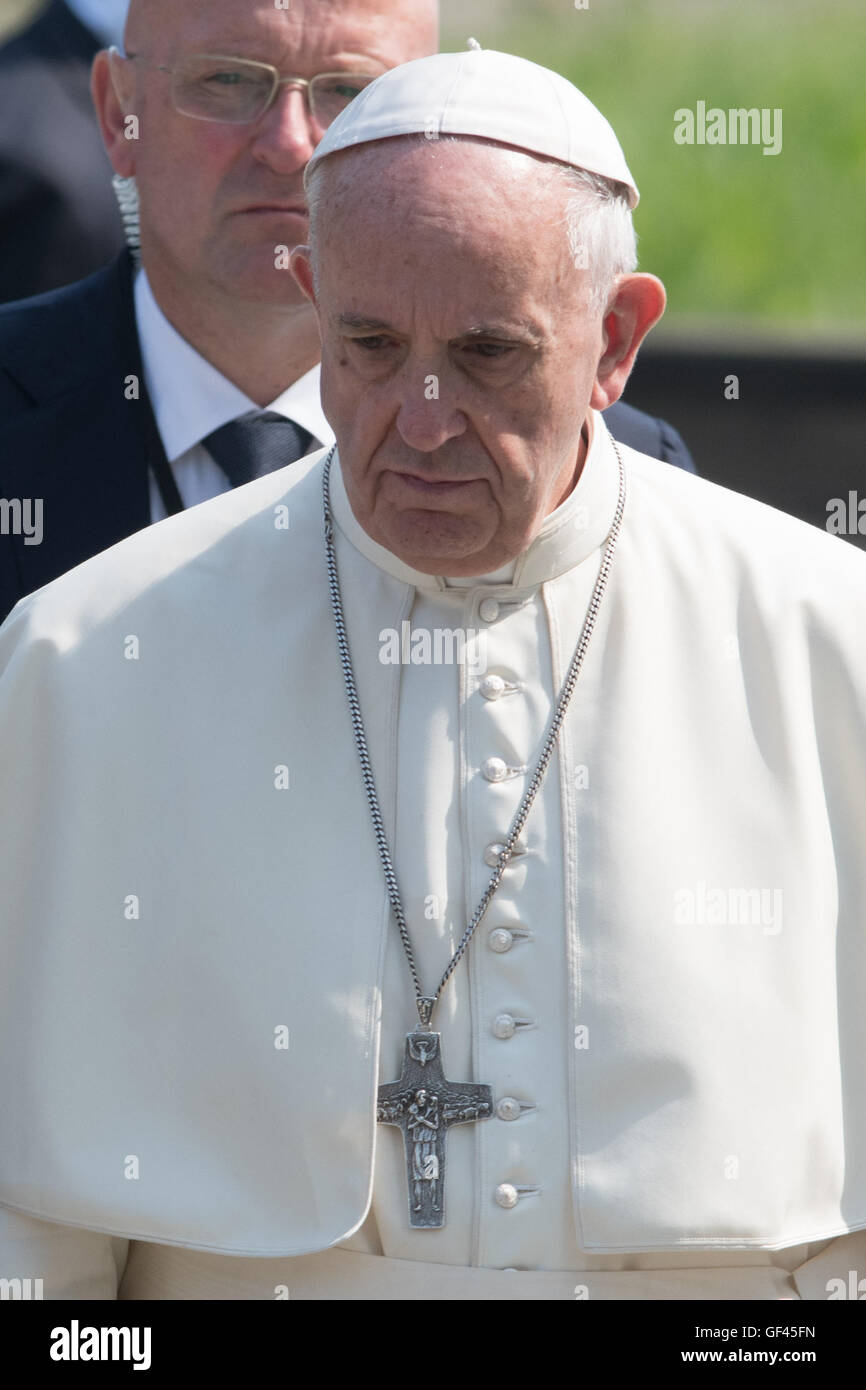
(260, 50)
(509, 331)
(359, 61)
(361, 321)
(524, 329)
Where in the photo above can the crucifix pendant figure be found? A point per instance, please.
(425, 1105)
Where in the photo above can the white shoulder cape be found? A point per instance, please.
(169, 904)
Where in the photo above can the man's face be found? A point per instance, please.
(459, 355)
(216, 198)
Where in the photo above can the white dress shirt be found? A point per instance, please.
(191, 399)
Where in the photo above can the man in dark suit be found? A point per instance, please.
(58, 214)
(122, 402)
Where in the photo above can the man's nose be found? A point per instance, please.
(286, 135)
(427, 417)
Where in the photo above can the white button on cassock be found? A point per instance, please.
(494, 769)
(500, 940)
(492, 687)
(492, 853)
(503, 1026)
(506, 1195)
(508, 1108)
(488, 609)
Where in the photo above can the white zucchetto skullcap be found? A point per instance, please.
(493, 96)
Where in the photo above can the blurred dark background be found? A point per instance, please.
(58, 214)
(793, 439)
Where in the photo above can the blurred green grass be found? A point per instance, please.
(731, 231)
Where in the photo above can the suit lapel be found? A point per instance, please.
(82, 459)
(86, 448)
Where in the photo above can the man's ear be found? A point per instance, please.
(639, 302)
(301, 266)
(111, 87)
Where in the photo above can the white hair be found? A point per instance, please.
(600, 230)
(597, 220)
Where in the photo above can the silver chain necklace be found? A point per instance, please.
(422, 1102)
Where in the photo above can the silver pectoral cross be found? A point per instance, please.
(425, 1105)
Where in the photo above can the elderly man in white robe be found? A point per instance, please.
(436, 870)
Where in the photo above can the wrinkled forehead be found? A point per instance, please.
(401, 159)
(449, 180)
(385, 32)
(418, 218)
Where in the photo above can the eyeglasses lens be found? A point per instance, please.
(236, 91)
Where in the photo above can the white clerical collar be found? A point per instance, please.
(190, 398)
(571, 533)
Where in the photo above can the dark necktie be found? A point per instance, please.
(256, 444)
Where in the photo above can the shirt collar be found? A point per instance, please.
(571, 533)
(190, 398)
(302, 403)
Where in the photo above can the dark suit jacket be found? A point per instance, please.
(58, 214)
(70, 436)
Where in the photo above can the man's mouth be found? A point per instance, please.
(283, 209)
(433, 485)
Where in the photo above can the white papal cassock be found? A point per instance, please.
(666, 996)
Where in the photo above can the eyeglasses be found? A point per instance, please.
(212, 87)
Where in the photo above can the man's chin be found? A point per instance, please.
(454, 562)
(255, 275)
(450, 545)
